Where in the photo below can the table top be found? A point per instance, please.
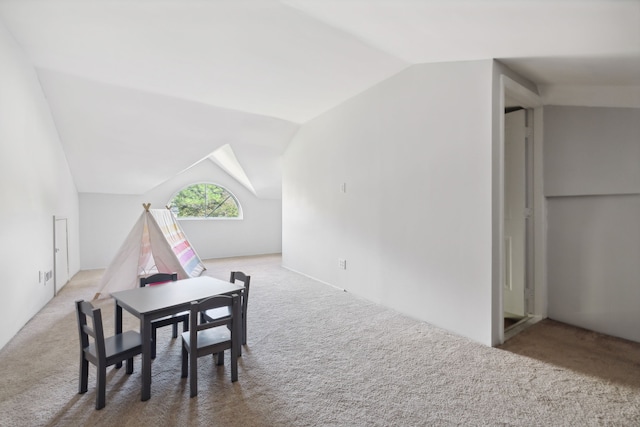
(156, 298)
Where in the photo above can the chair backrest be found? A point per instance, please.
(158, 278)
(84, 309)
(246, 280)
(199, 324)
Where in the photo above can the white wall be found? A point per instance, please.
(592, 151)
(415, 223)
(35, 184)
(592, 180)
(108, 218)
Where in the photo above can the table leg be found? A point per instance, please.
(145, 330)
(118, 328)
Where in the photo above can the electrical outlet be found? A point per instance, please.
(342, 263)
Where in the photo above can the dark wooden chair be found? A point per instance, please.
(211, 337)
(222, 312)
(103, 351)
(173, 320)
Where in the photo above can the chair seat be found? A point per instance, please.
(209, 337)
(118, 344)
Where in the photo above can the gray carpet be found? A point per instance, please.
(317, 356)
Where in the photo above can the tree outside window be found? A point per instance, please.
(205, 201)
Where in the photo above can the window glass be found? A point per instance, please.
(205, 201)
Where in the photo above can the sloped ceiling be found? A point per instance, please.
(165, 83)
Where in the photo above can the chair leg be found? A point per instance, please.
(185, 363)
(154, 334)
(220, 358)
(174, 330)
(130, 366)
(239, 346)
(234, 361)
(193, 372)
(101, 379)
(244, 330)
(84, 374)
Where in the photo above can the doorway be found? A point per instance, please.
(517, 290)
(60, 254)
(530, 300)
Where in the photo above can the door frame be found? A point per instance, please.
(511, 89)
(55, 252)
(523, 163)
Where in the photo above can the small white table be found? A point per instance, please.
(153, 302)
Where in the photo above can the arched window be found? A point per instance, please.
(205, 200)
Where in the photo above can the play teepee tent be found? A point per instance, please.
(155, 244)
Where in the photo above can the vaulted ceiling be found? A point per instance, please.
(169, 82)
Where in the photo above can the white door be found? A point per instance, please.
(515, 213)
(61, 254)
